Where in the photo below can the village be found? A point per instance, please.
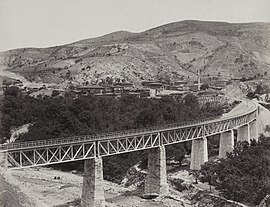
(148, 89)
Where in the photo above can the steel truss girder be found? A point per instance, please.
(170, 136)
(51, 155)
(45, 155)
(128, 144)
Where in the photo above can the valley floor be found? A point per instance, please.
(48, 187)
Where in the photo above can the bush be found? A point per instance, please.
(245, 175)
(180, 185)
(55, 93)
(204, 86)
(12, 91)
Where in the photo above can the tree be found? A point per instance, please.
(6, 83)
(204, 86)
(250, 95)
(196, 174)
(209, 173)
(191, 101)
(12, 91)
(176, 152)
(259, 90)
(55, 93)
(244, 175)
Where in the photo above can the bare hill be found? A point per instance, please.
(170, 52)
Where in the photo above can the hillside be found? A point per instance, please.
(170, 52)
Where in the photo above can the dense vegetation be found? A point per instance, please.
(260, 90)
(59, 117)
(244, 175)
(54, 117)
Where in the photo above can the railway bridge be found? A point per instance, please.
(93, 148)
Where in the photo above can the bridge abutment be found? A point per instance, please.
(92, 190)
(156, 180)
(199, 153)
(226, 143)
(243, 133)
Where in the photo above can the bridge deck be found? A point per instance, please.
(44, 152)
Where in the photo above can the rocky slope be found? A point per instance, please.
(170, 52)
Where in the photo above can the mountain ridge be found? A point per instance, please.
(169, 52)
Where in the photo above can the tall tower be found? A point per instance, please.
(199, 78)
(201, 65)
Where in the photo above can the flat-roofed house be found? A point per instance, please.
(117, 89)
(93, 89)
(125, 85)
(180, 83)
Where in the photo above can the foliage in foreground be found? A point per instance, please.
(244, 175)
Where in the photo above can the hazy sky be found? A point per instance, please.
(42, 23)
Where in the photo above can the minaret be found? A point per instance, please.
(199, 78)
(199, 73)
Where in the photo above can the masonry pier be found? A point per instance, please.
(226, 143)
(243, 133)
(199, 153)
(156, 180)
(253, 128)
(92, 190)
(3, 160)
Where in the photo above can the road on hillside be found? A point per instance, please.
(241, 108)
(12, 75)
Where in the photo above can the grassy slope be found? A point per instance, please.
(170, 51)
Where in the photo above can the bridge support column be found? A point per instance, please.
(156, 180)
(226, 143)
(3, 160)
(243, 133)
(253, 128)
(199, 153)
(92, 191)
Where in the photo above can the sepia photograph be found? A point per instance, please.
(134, 103)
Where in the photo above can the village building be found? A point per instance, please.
(219, 84)
(117, 89)
(125, 84)
(93, 89)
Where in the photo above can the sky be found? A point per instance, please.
(44, 23)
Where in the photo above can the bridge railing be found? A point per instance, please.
(102, 136)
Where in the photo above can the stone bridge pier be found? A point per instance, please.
(248, 132)
(92, 190)
(243, 133)
(254, 133)
(199, 153)
(155, 183)
(226, 143)
(156, 180)
(3, 160)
